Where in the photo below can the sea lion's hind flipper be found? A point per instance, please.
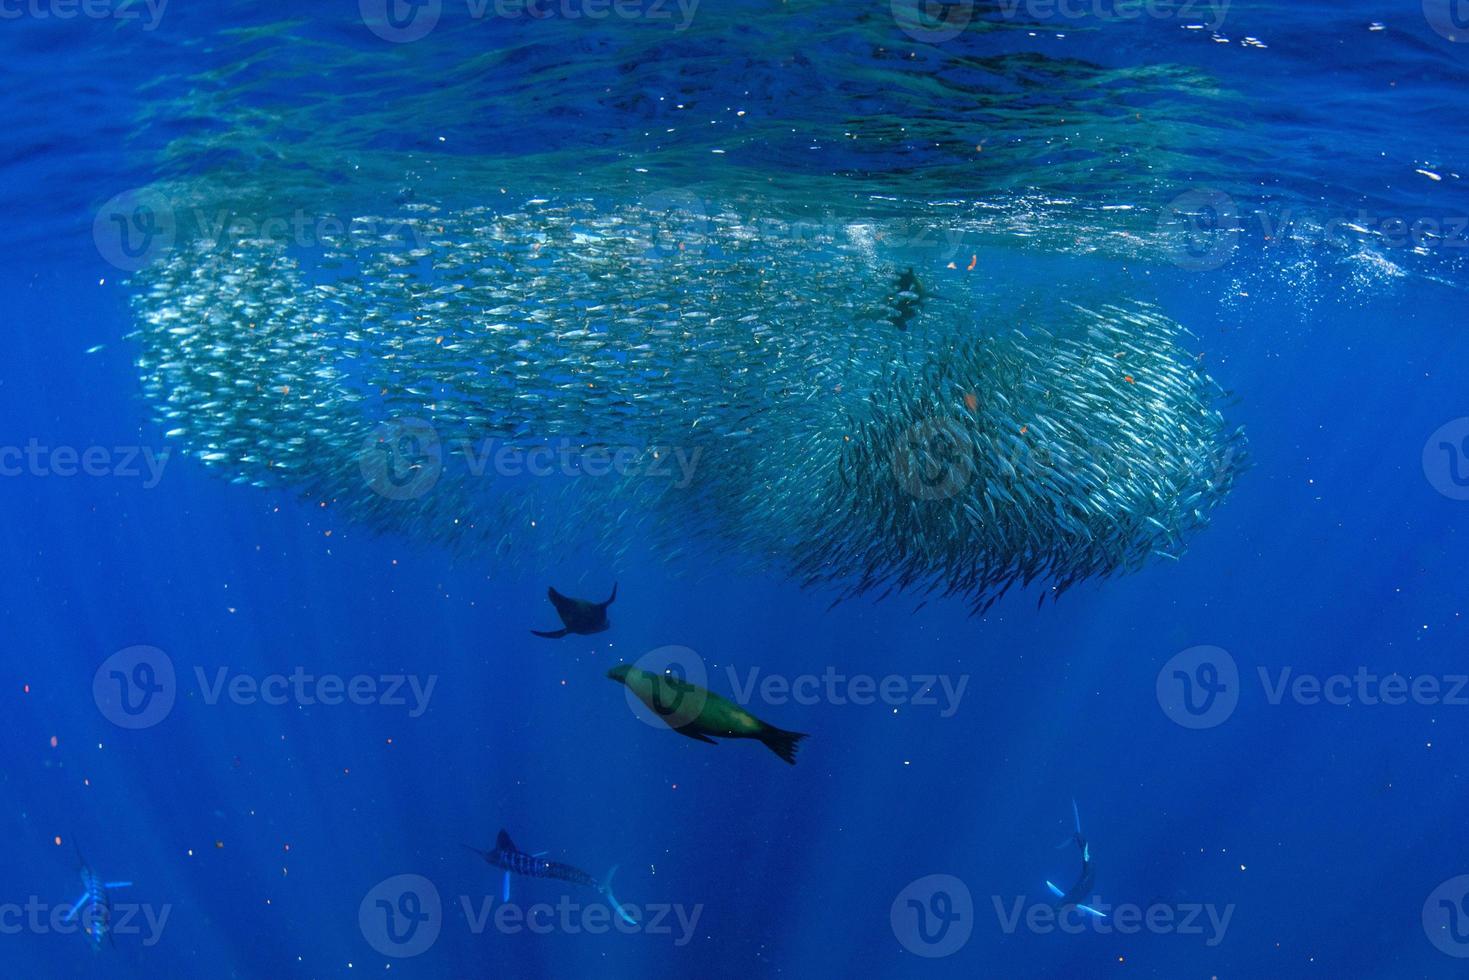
(553, 635)
(782, 742)
(697, 737)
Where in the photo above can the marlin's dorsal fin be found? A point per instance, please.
(504, 843)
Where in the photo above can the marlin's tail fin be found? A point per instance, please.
(782, 742)
(606, 889)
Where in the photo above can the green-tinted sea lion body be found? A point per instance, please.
(699, 714)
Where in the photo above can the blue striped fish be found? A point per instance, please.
(513, 861)
(94, 907)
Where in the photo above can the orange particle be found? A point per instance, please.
(28, 689)
(438, 340)
(1024, 429)
(971, 401)
(973, 261)
(53, 741)
(57, 840)
(1128, 379)
(285, 389)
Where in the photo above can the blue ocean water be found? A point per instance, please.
(1241, 823)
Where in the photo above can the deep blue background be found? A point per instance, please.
(1326, 827)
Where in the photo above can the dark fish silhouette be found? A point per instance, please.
(578, 615)
(512, 860)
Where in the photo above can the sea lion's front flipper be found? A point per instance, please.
(554, 635)
(688, 733)
(611, 597)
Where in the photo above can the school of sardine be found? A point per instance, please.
(805, 402)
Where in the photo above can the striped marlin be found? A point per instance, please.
(1074, 896)
(512, 860)
(94, 906)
